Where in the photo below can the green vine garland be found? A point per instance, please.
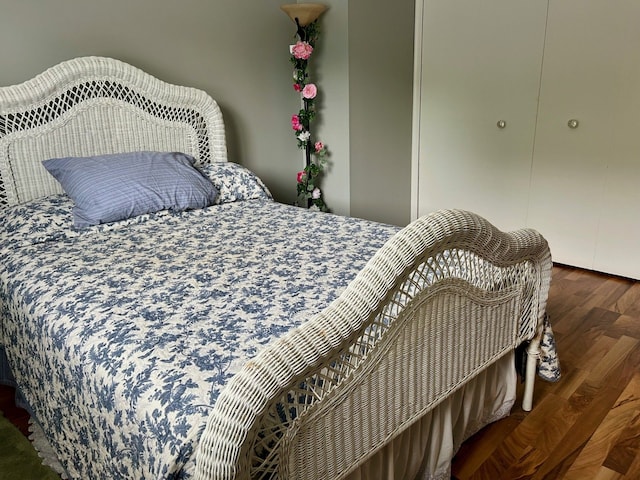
(308, 179)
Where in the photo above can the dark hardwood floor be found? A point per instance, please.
(587, 425)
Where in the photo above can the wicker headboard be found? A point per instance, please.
(96, 105)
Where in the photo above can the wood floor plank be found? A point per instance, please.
(626, 450)
(482, 445)
(582, 337)
(575, 274)
(628, 367)
(633, 473)
(608, 434)
(608, 369)
(611, 289)
(571, 380)
(629, 303)
(556, 426)
(590, 406)
(527, 465)
(605, 474)
(626, 325)
(517, 452)
(570, 319)
(595, 355)
(587, 425)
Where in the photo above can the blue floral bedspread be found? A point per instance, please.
(135, 327)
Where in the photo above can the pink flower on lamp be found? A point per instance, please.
(309, 91)
(295, 123)
(308, 189)
(302, 50)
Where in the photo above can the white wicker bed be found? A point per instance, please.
(380, 376)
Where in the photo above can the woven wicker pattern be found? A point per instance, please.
(443, 299)
(91, 106)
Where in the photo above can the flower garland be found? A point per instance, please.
(309, 193)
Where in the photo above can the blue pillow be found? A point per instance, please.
(108, 188)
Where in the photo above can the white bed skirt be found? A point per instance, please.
(424, 451)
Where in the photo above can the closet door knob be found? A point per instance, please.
(573, 123)
(501, 124)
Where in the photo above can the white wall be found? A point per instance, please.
(238, 52)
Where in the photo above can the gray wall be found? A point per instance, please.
(381, 98)
(238, 52)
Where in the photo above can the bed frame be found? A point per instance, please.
(440, 303)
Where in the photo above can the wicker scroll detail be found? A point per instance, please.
(136, 111)
(439, 302)
(102, 89)
(415, 352)
(59, 105)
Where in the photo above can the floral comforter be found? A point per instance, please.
(135, 327)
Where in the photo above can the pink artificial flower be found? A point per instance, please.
(297, 87)
(316, 193)
(301, 175)
(309, 91)
(319, 146)
(302, 50)
(295, 123)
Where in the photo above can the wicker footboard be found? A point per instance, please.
(445, 298)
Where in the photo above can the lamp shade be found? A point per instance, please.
(306, 13)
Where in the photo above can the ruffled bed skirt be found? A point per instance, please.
(424, 451)
(45, 452)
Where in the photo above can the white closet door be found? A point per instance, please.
(618, 240)
(480, 65)
(583, 178)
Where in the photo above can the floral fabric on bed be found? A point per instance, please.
(51, 218)
(136, 326)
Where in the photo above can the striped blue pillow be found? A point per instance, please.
(108, 188)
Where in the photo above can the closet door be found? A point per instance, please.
(479, 84)
(584, 186)
(618, 240)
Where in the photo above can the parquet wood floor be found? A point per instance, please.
(587, 425)
(584, 427)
